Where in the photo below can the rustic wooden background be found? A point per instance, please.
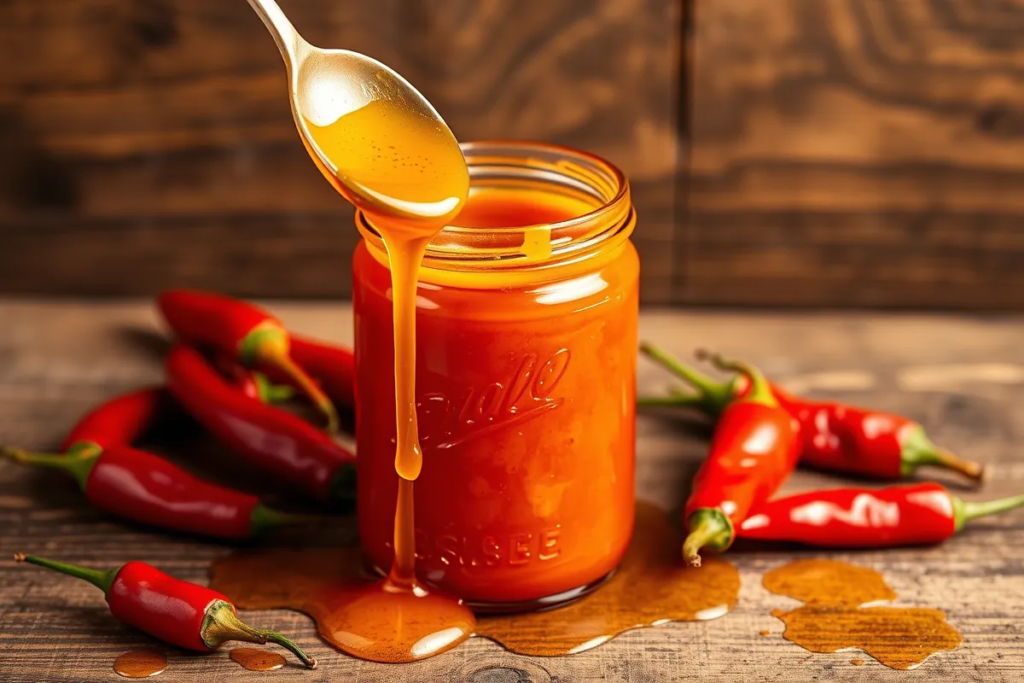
(793, 152)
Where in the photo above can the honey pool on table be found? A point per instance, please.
(832, 617)
(652, 586)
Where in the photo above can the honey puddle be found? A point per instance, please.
(833, 617)
(652, 586)
(141, 663)
(255, 659)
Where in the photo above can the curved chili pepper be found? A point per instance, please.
(175, 611)
(860, 518)
(277, 442)
(754, 448)
(252, 335)
(836, 437)
(120, 421)
(331, 365)
(143, 487)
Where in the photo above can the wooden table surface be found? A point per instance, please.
(963, 377)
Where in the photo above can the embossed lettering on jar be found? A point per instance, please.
(526, 365)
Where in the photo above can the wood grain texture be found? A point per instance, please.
(856, 152)
(963, 377)
(150, 144)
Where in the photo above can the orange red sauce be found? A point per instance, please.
(513, 208)
(525, 395)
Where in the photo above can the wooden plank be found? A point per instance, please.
(166, 114)
(856, 153)
(962, 376)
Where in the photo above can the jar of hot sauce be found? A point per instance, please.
(526, 352)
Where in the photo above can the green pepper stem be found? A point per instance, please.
(760, 390)
(917, 450)
(676, 400)
(270, 393)
(966, 512)
(100, 579)
(709, 528)
(712, 396)
(78, 463)
(268, 344)
(264, 519)
(221, 624)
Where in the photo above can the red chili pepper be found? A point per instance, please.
(836, 437)
(277, 442)
(144, 487)
(861, 518)
(247, 332)
(754, 449)
(331, 365)
(175, 611)
(252, 384)
(120, 421)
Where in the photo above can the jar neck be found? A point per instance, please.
(527, 175)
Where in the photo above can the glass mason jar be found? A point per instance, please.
(526, 371)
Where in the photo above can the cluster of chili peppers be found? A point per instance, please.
(232, 366)
(763, 432)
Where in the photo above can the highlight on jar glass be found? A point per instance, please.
(526, 372)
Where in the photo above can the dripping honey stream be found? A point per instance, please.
(400, 158)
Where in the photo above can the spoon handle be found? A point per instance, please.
(288, 40)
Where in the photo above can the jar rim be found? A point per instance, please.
(538, 165)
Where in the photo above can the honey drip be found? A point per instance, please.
(834, 617)
(141, 663)
(410, 178)
(652, 586)
(254, 659)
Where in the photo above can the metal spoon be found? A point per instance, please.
(329, 88)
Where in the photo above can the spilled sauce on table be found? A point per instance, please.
(652, 586)
(141, 663)
(839, 614)
(254, 659)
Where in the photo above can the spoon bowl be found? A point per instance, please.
(370, 132)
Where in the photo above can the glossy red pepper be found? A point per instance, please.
(143, 487)
(277, 442)
(754, 448)
(836, 437)
(250, 334)
(121, 420)
(175, 611)
(331, 365)
(862, 518)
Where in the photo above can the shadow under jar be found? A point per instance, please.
(526, 352)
